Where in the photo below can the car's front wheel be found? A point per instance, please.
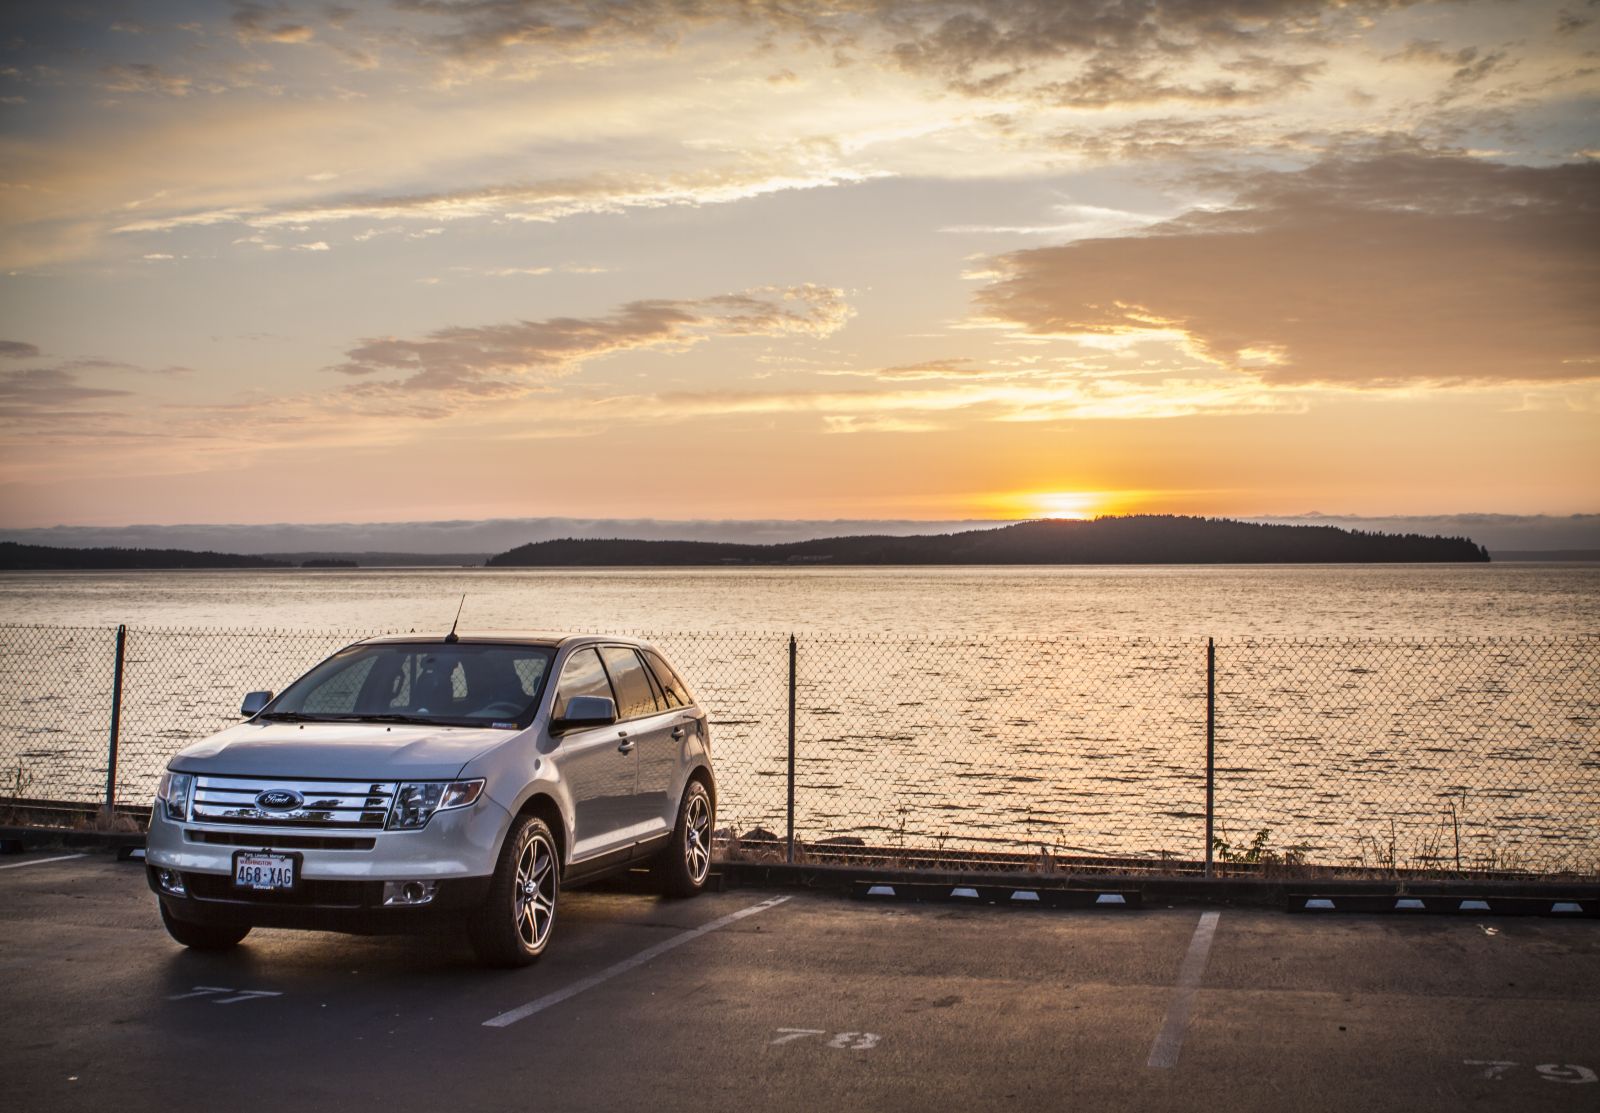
(201, 937)
(684, 866)
(512, 927)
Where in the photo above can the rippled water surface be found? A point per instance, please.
(1420, 714)
(1311, 601)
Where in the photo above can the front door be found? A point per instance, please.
(598, 764)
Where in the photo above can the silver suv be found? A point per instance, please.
(406, 780)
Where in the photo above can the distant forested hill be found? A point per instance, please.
(15, 557)
(1135, 539)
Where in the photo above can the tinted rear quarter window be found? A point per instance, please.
(672, 684)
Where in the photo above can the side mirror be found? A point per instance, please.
(253, 703)
(587, 711)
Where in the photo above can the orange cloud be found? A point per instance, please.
(1400, 269)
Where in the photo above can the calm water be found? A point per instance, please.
(1343, 601)
(1420, 712)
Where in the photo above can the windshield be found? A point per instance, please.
(461, 684)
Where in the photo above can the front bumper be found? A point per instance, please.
(341, 873)
(347, 906)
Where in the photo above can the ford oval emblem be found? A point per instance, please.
(279, 799)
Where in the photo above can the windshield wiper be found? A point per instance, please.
(291, 717)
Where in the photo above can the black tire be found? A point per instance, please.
(202, 937)
(684, 865)
(513, 925)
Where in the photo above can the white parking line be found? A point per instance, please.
(1170, 1040)
(522, 1012)
(42, 861)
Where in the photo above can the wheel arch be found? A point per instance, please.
(545, 807)
(703, 774)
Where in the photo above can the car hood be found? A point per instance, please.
(360, 751)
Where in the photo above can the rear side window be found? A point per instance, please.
(582, 675)
(677, 692)
(634, 695)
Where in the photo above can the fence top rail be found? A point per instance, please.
(1586, 640)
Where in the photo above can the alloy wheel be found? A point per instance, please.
(534, 898)
(697, 837)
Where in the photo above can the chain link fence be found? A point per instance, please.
(1431, 754)
(995, 752)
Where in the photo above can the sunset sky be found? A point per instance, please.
(428, 259)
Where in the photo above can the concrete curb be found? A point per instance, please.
(15, 840)
(1467, 902)
(1012, 896)
(1152, 891)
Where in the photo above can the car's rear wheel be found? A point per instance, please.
(512, 927)
(201, 937)
(683, 867)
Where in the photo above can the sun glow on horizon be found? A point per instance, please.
(1064, 505)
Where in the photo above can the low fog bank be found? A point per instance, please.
(1496, 532)
(492, 535)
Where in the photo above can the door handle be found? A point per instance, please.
(626, 745)
(677, 732)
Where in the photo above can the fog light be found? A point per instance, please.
(171, 881)
(408, 892)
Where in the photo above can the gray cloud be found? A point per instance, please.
(16, 349)
(1113, 82)
(954, 36)
(23, 394)
(145, 77)
(1470, 66)
(1570, 23)
(977, 47)
(505, 359)
(268, 23)
(1390, 270)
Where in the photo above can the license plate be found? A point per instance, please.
(264, 871)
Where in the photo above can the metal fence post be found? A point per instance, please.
(116, 719)
(789, 854)
(1211, 747)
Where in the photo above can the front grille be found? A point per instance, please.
(323, 804)
(278, 841)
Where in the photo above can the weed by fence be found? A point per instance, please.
(1436, 754)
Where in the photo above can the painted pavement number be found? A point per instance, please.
(1497, 1069)
(853, 1041)
(215, 992)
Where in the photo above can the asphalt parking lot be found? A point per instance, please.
(791, 1001)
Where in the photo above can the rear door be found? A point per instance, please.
(654, 728)
(663, 769)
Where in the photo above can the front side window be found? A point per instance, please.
(462, 684)
(582, 675)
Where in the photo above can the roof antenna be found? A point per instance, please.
(450, 638)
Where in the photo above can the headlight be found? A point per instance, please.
(172, 794)
(415, 802)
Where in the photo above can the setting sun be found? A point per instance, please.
(1065, 504)
(1076, 505)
